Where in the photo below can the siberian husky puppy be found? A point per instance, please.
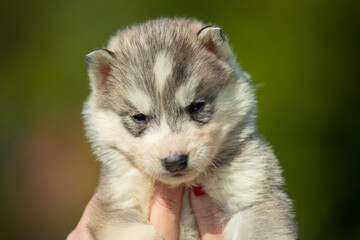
(169, 103)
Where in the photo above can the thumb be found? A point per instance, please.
(208, 215)
(165, 210)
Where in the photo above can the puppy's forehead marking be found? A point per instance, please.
(162, 68)
(140, 100)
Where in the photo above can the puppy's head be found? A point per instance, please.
(167, 96)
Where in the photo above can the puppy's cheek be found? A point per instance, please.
(210, 142)
(214, 138)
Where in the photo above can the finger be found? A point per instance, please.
(165, 210)
(208, 215)
(81, 231)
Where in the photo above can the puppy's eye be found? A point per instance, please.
(195, 107)
(139, 118)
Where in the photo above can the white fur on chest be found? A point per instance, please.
(187, 225)
(131, 189)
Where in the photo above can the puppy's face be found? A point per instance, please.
(168, 107)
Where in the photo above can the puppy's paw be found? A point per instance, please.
(130, 232)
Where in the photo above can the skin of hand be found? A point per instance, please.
(165, 213)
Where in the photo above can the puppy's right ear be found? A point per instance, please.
(214, 41)
(99, 63)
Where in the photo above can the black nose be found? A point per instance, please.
(175, 163)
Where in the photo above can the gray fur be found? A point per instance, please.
(133, 68)
(242, 175)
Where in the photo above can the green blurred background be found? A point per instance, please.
(304, 59)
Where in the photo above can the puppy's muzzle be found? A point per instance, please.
(175, 163)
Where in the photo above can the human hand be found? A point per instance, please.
(166, 207)
(165, 213)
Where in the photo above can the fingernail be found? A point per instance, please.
(198, 191)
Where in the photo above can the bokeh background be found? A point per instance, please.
(304, 59)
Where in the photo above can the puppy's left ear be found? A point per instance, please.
(99, 64)
(215, 41)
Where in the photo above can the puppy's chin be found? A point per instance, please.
(180, 178)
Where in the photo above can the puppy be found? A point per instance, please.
(169, 103)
